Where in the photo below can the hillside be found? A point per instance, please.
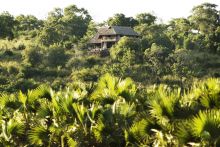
(63, 84)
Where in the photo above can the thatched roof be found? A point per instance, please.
(95, 39)
(113, 30)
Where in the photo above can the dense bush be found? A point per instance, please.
(123, 47)
(56, 56)
(33, 55)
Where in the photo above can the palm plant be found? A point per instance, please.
(110, 88)
(112, 114)
(205, 94)
(12, 132)
(39, 135)
(206, 125)
(163, 105)
(138, 133)
(202, 129)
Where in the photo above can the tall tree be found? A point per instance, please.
(178, 31)
(205, 17)
(28, 23)
(53, 27)
(76, 20)
(69, 24)
(146, 18)
(121, 20)
(7, 23)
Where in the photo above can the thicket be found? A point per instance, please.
(55, 50)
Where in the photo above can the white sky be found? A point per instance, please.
(100, 10)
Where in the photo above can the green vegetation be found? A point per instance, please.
(113, 112)
(171, 97)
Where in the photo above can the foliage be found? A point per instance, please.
(83, 116)
(7, 23)
(33, 55)
(121, 20)
(56, 56)
(126, 50)
(169, 98)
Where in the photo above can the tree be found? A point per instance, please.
(28, 23)
(52, 32)
(154, 34)
(91, 31)
(121, 20)
(76, 21)
(27, 26)
(7, 24)
(178, 31)
(155, 58)
(205, 17)
(127, 50)
(66, 25)
(146, 18)
(184, 63)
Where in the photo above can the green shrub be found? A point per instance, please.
(56, 56)
(75, 63)
(24, 84)
(8, 53)
(33, 55)
(21, 47)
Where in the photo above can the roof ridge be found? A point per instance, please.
(113, 29)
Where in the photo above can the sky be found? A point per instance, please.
(101, 10)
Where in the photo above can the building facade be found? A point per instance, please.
(108, 36)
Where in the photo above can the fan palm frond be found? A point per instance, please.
(9, 101)
(45, 110)
(209, 93)
(66, 104)
(93, 112)
(15, 127)
(81, 113)
(123, 108)
(22, 98)
(110, 88)
(205, 94)
(137, 133)
(162, 104)
(184, 133)
(99, 129)
(42, 91)
(106, 88)
(206, 125)
(71, 142)
(38, 135)
(12, 129)
(127, 89)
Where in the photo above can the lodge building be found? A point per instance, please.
(106, 37)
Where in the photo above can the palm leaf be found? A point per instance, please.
(162, 104)
(9, 101)
(15, 127)
(42, 91)
(110, 88)
(206, 125)
(71, 142)
(138, 132)
(38, 135)
(23, 98)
